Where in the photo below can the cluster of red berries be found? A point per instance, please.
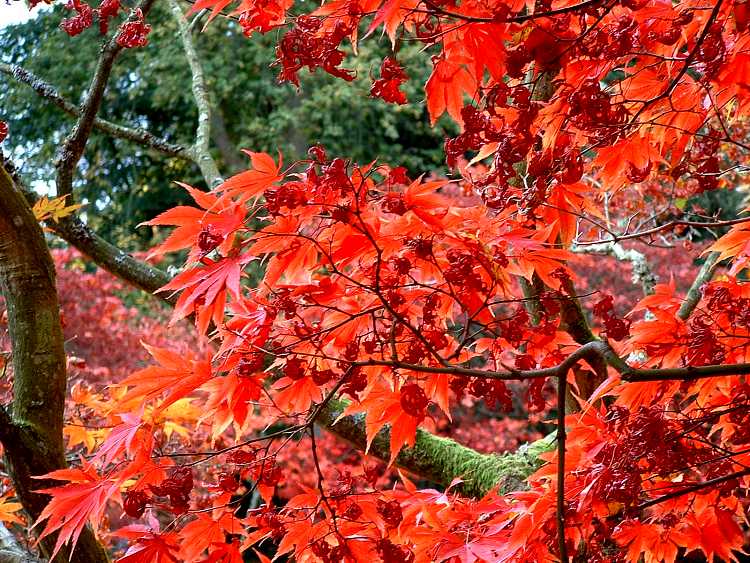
(134, 32)
(720, 300)
(414, 401)
(177, 487)
(208, 239)
(250, 364)
(514, 328)
(390, 512)
(460, 271)
(478, 131)
(390, 552)
(356, 382)
(494, 392)
(3, 131)
(134, 503)
(290, 195)
(393, 202)
(269, 520)
(704, 347)
(309, 45)
(387, 87)
(615, 327)
(702, 161)
(422, 247)
(83, 19)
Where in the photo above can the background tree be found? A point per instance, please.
(405, 295)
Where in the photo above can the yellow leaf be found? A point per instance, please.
(8, 510)
(54, 209)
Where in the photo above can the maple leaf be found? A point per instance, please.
(383, 407)
(205, 289)
(736, 245)
(54, 209)
(132, 436)
(392, 14)
(199, 534)
(229, 553)
(150, 546)
(78, 434)
(9, 510)
(252, 183)
(229, 401)
(72, 506)
(445, 89)
(218, 219)
(175, 376)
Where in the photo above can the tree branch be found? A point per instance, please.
(694, 293)
(200, 150)
(642, 272)
(75, 143)
(441, 460)
(136, 135)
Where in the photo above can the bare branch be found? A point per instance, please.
(75, 143)
(135, 135)
(200, 150)
(694, 293)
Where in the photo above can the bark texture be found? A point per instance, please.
(32, 431)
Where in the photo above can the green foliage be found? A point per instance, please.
(151, 88)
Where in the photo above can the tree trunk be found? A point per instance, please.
(32, 432)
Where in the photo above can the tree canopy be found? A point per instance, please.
(574, 260)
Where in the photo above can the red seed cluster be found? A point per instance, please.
(177, 487)
(309, 45)
(616, 328)
(134, 33)
(387, 87)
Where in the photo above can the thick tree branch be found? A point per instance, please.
(441, 460)
(105, 255)
(33, 439)
(200, 150)
(75, 143)
(136, 135)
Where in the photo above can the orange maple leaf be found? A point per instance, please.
(252, 183)
(151, 546)
(175, 376)
(82, 500)
(205, 288)
(221, 219)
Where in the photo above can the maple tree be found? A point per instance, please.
(384, 301)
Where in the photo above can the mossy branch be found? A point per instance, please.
(441, 460)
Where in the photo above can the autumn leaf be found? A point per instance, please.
(150, 546)
(174, 377)
(252, 183)
(72, 506)
(9, 510)
(217, 220)
(205, 289)
(54, 209)
(446, 87)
